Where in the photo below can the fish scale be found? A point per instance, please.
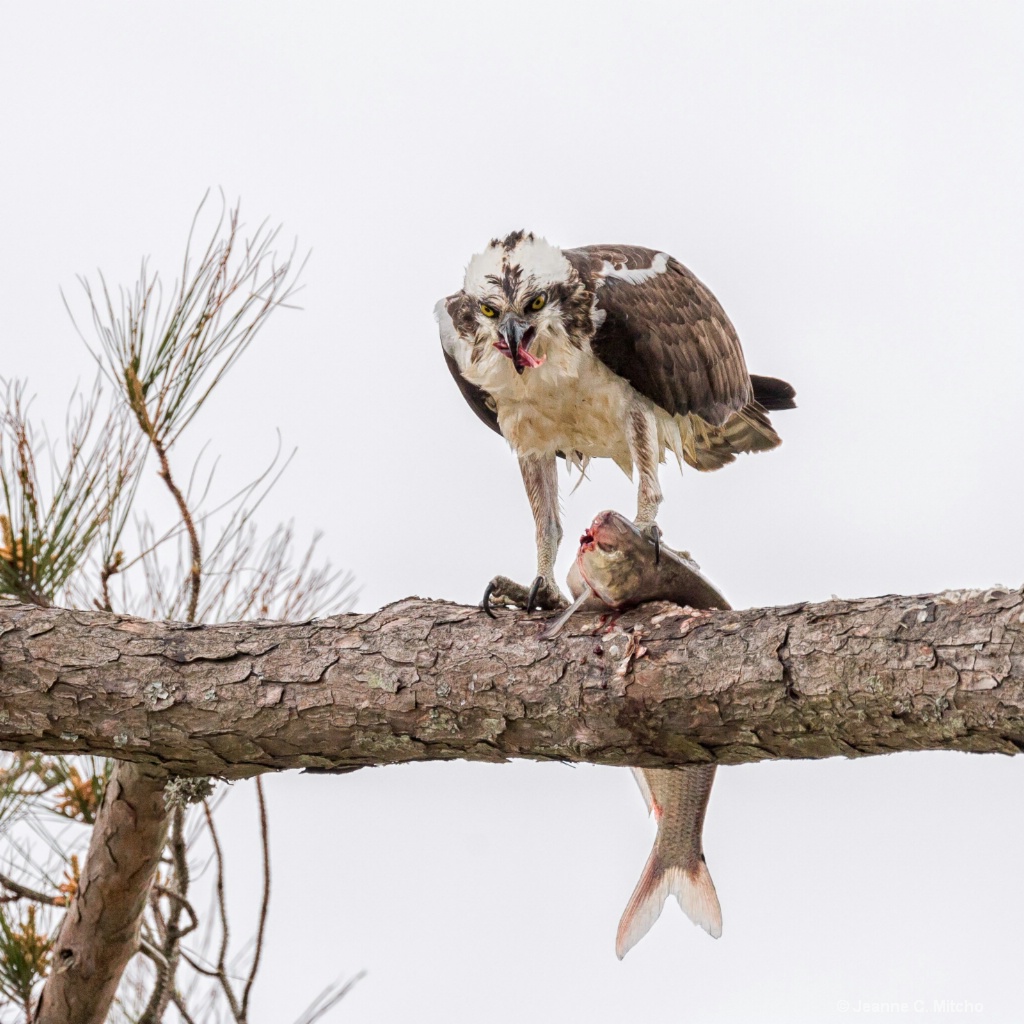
(616, 568)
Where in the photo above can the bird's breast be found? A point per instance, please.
(581, 407)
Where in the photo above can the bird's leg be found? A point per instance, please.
(540, 476)
(541, 481)
(643, 446)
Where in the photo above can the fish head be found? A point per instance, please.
(613, 558)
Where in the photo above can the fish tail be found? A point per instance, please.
(696, 895)
(692, 887)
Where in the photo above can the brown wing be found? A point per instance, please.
(664, 332)
(479, 401)
(455, 323)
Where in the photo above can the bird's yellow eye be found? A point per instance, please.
(539, 301)
(487, 310)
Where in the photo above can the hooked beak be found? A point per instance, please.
(515, 336)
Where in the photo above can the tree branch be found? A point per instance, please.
(264, 900)
(422, 680)
(20, 891)
(100, 931)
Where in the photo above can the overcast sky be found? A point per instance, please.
(846, 177)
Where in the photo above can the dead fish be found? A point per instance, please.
(678, 797)
(616, 568)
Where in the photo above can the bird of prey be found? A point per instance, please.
(605, 351)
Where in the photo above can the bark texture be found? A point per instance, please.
(421, 680)
(100, 931)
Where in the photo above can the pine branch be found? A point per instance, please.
(63, 542)
(426, 680)
(100, 931)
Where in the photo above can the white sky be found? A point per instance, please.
(846, 178)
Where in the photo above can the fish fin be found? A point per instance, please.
(641, 781)
(556, 627)
(691, 886)
(644, 906)
(695, 891)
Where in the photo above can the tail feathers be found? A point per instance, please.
(772, 393)
(750, 430)
(707, 447)
(691, 886)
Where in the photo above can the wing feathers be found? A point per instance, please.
(669, 337)
(707, 448)
(664, 332)
(479, 401)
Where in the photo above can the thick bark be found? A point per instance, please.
(100, 932)
(422, 680)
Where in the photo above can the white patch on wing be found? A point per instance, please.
(458, 348)
(609, 270)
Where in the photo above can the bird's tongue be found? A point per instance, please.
(528, 359)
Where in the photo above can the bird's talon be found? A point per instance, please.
(486, 602)
(542, 595)
(531, 600)
(653, 533)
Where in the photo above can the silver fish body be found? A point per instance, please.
(678, 798)
(616, 568)
(617, 562)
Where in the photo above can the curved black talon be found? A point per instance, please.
(655, 533)
(486, 602)
(534, 591)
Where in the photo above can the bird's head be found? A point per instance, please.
(520, 292)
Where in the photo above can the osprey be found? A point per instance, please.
(605, 351)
